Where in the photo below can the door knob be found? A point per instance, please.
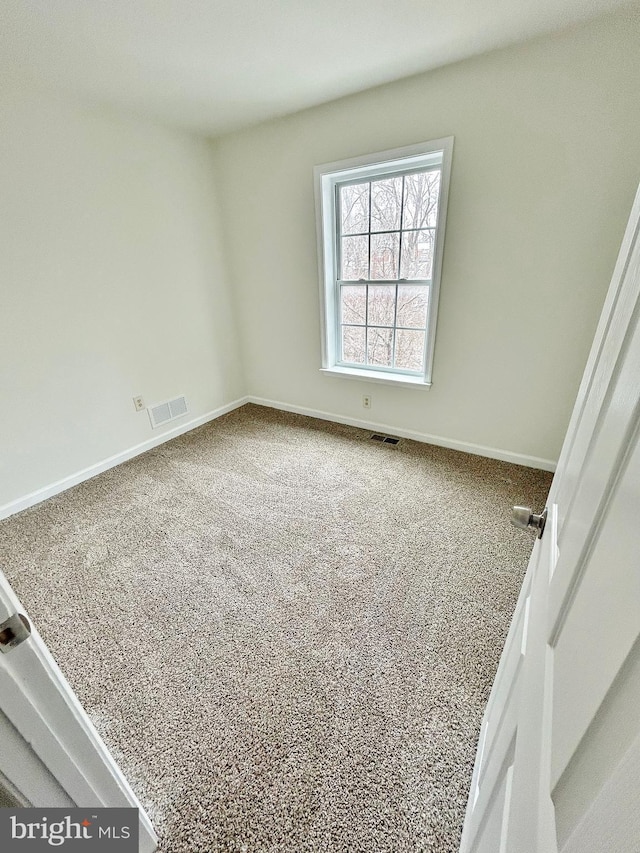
(15, 630)
(524, 518)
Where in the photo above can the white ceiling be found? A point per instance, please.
(216, 65)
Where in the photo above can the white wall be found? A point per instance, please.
(546, 163)
(112, 283)
(113, 280)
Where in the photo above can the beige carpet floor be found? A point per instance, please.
(284, 631)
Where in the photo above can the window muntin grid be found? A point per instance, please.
(395, 343)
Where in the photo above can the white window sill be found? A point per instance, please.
(381, 376)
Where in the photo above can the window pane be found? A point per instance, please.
(386, 199)
(353, 345)
(412, 306)
(382, 304)
(417, 254)
(421, 194)
(355, 261)
(384, 256)
(354, 303)
(409, 350)
(380, 346)
(354, 207)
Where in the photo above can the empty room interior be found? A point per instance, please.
(296, 304)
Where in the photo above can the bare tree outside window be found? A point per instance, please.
(387, 241)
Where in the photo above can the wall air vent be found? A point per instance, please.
(162, 413)
(385, 439)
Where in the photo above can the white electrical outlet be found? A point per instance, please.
(138, 402)
(366, 401)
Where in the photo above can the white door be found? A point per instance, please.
(50, 754)
(558, 763)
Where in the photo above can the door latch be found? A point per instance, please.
(13, 631)
(524, 518)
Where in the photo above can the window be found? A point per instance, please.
(381, 235)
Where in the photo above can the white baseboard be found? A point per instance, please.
(73, 479)
(426, 438)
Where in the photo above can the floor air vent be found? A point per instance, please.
(385, 439)
(162, 413)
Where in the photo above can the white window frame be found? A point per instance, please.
(437, 153)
